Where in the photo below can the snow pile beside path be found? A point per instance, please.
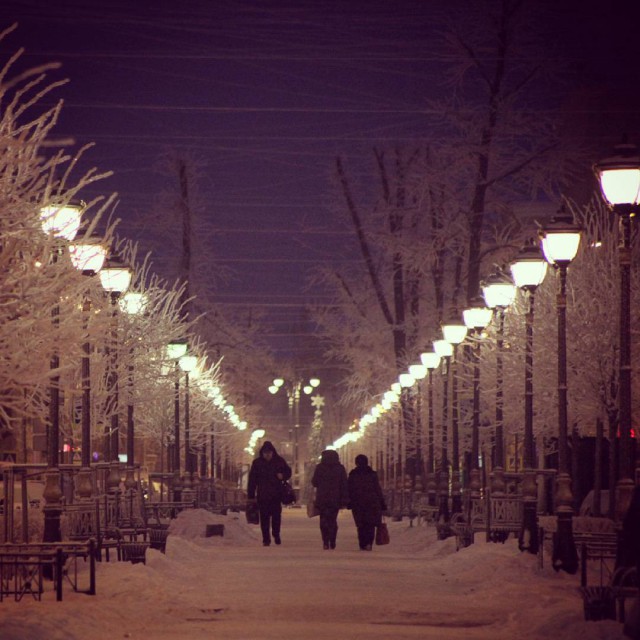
(419, 540)
(191, 524)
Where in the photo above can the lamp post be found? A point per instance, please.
(406, 381)
(175, 351)
(560, 242)
(499, 292)
(61, 222)
(88, 257)
(188, 364)
(431, 360)
(476, 318)
(133, 303)
(619, 178)
(293, 390)
(419, 372)
(528, 270)
(445, 350)
(115, 277)
(454, 332)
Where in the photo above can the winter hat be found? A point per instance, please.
(362, 460)
(267, 446)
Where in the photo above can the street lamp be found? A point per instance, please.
(293, 391)
(560, 242)
(419, 372)
(115, 277)
(476, 318)
(431, 360)
(132, 303)
(188, 364)
(59, 222)
(619, 178)
(528, 270)
(454, 332)
(175, 350)
(499, 292)
(445, 350)
(406, 380)
(88, 257)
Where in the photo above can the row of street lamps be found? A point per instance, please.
(89, 256)
(619, 178)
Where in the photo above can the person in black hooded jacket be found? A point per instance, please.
(266, 476)
(366, 501)
(330, 480)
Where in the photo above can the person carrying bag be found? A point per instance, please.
(367, 503)
(268, 472)
(330, 482)
(382, 533)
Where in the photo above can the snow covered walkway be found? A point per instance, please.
(233, 588)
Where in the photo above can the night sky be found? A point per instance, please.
(264, 95)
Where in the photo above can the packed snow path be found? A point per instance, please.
(233, 588)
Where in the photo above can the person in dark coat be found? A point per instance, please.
(366, 501)
(330, 480)
(266, 475)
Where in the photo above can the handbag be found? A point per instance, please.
(288, 495)
(382, 533)
(252, 513)
(312, 510)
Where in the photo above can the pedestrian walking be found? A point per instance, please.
(268, 472)
(366, 501)
(330, 481)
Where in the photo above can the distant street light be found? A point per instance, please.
(619, 178)
(499, 292)
(133, 303)
(476, 318)
(175, 350)
(61, 222)
(293, 390)
(445, 350)
(88, 257)
(115, 277)
(431, 360)
(528, 270)
(188, 364)
(454, 332)
(560, 242)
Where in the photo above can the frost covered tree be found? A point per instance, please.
(39, 288)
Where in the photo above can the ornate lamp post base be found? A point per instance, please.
(498, 484)
(84, 486)
(624, 491)
(177, 486)
(456, 493)
(442, 522)
(528, 540)
(53, 507)
(565, 556)
(113, 480)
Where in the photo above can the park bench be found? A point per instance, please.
(624, 584)
(158, 534)
(426, 512)
(84, 521)
(598, 599)
(161, 512)
(504, 516)
(133, 551)
(465, 525)
(23, 568)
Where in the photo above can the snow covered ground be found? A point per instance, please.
(234, 588)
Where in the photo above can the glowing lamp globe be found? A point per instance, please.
(560, 239)
(619, 176)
